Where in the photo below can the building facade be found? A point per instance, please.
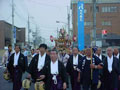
(5, 34)
(107, 18)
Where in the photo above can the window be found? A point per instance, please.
(97, 8)
(109, 9)
(104, 9)
(88, 23)
(106, 23)
(113, 9)
(85, 10)
(91, 8)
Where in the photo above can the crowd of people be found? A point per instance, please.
(81, 70)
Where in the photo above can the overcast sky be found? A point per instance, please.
(43, 13)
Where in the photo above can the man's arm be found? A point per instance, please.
(4, 58)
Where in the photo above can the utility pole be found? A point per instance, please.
(94, 21)
(13, 37)
(36, 31)
(28, 30)
(36, 37)
(68, 13)
(57, 33)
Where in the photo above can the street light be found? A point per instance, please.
(66, 24)
(57, 21)
(61, 22)
(29, 30)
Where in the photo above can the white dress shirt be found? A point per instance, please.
(88, 58)
(6, 57)
(54, 67)
(16, 58)
(100, 56)
(63, 59)
(75, 60)
(25, 53)
(110, 62)
(41, 61)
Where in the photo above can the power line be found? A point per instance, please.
(44, 4)
(6, 18)
(20, 16)
(25, 7)
(17, 7)
(52, 1)
(20, 11)
(15, 11)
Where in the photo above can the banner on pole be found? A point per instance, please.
(81, 25)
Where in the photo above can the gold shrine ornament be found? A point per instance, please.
(39, 85)
(6, 75)
(26, 83)
(99, 84)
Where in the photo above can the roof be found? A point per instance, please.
(98, 1)
(9, 24)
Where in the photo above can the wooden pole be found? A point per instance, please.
(91, 57)
(91, 63)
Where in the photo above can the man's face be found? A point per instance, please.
(99, 51)
(88, 52)
(75, 51)
(53, 55)
(109, 52)
(10, 48)
(17, 49)
(32, 51)
(42, 50)
(83, 52)
(64, 52)
(24, 49)
(37, 51)
(116, 51)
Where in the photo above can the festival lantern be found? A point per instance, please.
(51, 38)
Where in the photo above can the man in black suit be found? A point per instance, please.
(90, 62)
(72, 69)
(55, 73)
(117, 55)
(99, 54)
(101, 57)
(17, 67)
(38, 62)
(111, 71)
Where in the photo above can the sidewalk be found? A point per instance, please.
(1, 54)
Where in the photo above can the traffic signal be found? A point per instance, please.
(104, 33)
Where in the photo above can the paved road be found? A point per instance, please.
(5, 85)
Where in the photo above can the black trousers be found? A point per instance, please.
(92, 86)
(119, 85)
(108, 84)
(102, 87)
(17, 78)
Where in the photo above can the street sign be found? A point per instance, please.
(81, 25)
